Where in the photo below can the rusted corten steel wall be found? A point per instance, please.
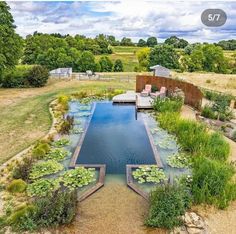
(193, 95)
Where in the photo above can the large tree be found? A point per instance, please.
(164, 55)
(105, 64)
(142, 43)
(10, 42)
(151, 41)
(176, 42)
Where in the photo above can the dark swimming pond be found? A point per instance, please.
(115, 138)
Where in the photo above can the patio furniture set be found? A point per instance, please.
(148, 92)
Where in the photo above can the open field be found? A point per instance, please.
(128, 56)
(25, 113)
(220, 82)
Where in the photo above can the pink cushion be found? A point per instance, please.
(148, 88)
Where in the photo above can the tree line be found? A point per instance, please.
(194, 57)
(56, 50)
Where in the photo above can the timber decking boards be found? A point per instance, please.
(132, 97)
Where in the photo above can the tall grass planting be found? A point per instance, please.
(212, 176)
(194, 137)
(212, 182)
(167, 204)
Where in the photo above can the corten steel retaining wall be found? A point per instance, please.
(193, 95)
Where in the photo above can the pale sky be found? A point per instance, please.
(134, 19)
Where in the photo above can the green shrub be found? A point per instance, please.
(2, 222)
(63, 100)
(52, 210)
(17, 186)
(57, 208)
(78, 177)
(118, 66)
(45, 168)
(66, 125)
(22, 170)
(22, 218)
(79, 95)
(208, 112)
(167, 205)
(154, 88)
(172, 104)
(40, 150)
(234, 135)
(42, 187)
(16, 78)
(26, 76)
(211, 182)
(38, 76)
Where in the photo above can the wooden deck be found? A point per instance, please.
(143, 102)
(136, 98)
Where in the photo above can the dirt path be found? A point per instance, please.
(115, 209)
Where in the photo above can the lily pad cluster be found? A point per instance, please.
(58, 154)
(166, 143)
(42, 187)
(44, 168)
(61, 142)
(90, 99)
(149, 174)
(179, 160)
(78, 177)
(77, 131)
(83, 114)
(84, 108)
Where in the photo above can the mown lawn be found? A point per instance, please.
(25, 113)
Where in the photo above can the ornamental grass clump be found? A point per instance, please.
(167, 204)
(40, 150)
(216, 147)
(17, 186)
(212, 182)
(63, 101)
(168, 104)
(44, 168)
(78, 177)
(42, 187)
(149, 174)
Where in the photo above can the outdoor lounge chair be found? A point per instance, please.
(161, 93)
(146, 91)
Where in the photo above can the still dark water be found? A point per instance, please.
(115, 138)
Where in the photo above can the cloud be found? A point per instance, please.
(137, 19)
